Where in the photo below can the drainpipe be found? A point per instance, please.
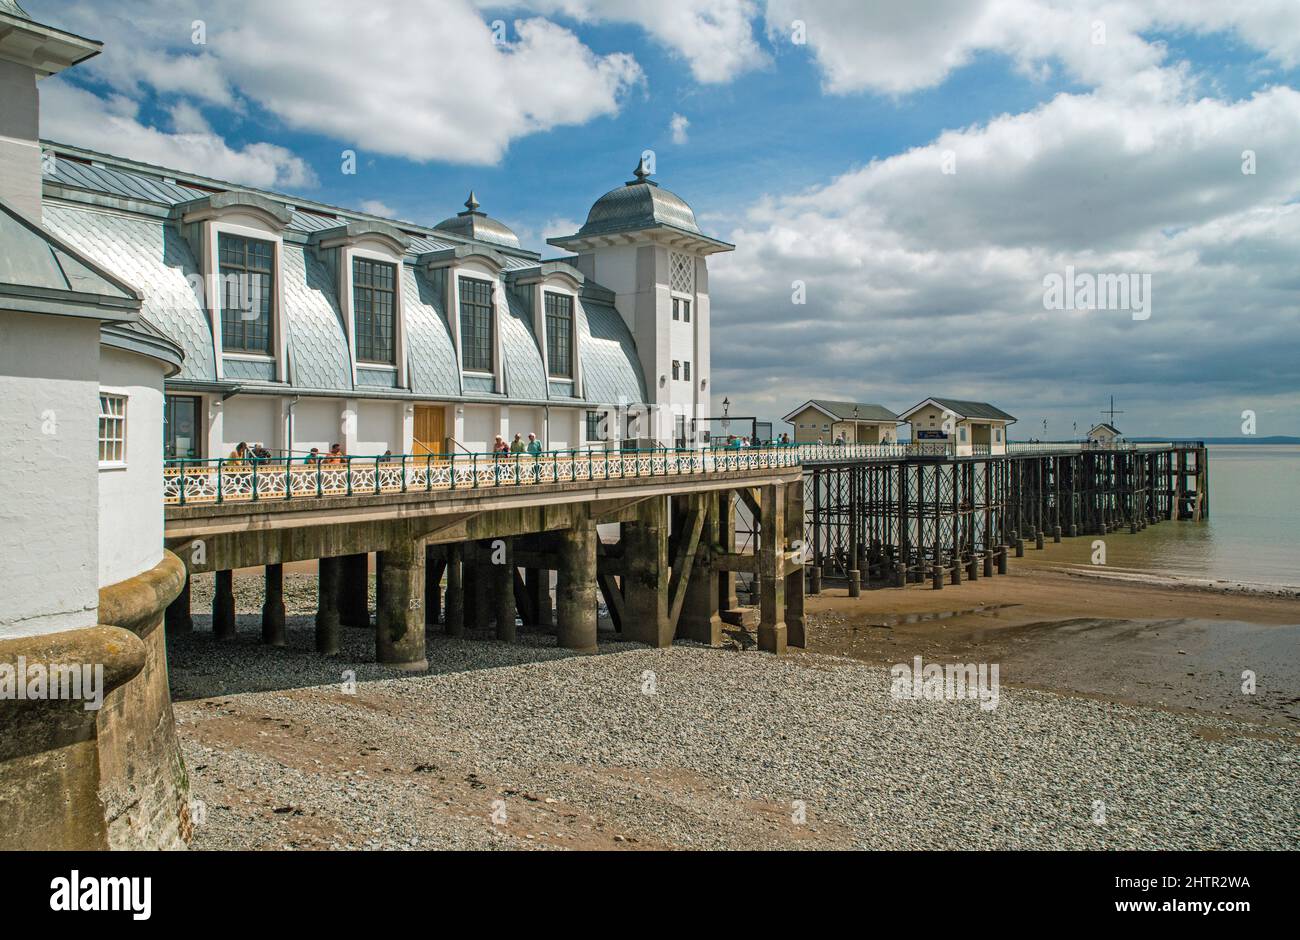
(289, 442)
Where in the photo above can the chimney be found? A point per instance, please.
(29, 51)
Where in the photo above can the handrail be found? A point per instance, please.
(219, 480)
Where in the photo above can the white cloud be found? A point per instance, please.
(920, 282)
(378, 207)
(895, 48)
(390, 78)
(678, 126)
(73, 115)
(716, 37)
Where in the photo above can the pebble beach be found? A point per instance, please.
(527, 746)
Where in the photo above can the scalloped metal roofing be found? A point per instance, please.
(13, 9)
(611, 368)
(431, 357)
(638, 205)
(156, 260)
(525, 376)
(317, 346)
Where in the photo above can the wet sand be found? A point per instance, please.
(1177, 647)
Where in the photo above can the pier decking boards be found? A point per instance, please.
(894, 521)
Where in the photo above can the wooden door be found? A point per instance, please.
(430, 436)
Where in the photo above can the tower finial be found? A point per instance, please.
(471, 203)
(641, 172)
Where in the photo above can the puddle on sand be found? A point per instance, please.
(905, 619)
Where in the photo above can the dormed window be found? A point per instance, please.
(247, 278)
(559, 335)
(476, 339)
(374, 310)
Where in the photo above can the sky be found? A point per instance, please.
(1037, 203)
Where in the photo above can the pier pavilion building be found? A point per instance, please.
(966, 427)
(857, 422)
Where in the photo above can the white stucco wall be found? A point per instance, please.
(49, 400)
(251, 419)
(564, 429)
(481, 425)
(316, 423)
(130, 504)
(379, 427)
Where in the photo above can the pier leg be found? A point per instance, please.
(538, 582)
(815, 580)
(223, 606)
(433, 570)
(645, 577)
(469, 586)
(482, 587)
(1002, 560)
(354, 590)
(273, 607)
(988, 563)
(575, 591)
(794, 592)
(1056, 533)
(936, 577)
(772, 631)
(1020, 548)
(700, 620)
(327, 606)
(177, 618)
(956, 568)
(855, 582)
(379, 586)
(503, 589)
(455, 619)
(399, 625)
(727, 599)
(1038, 539)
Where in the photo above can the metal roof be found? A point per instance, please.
(611, 369)
(13, 9)
(843, 410)
(639, 204)
(979, 410)
(41, 273)
(479, 226)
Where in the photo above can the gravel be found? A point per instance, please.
(528, 746)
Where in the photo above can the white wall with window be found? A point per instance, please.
(130, 464)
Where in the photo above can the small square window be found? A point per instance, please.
(677, 370)
(112, 429)
(686, 371)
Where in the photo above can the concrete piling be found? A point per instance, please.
(273, 607)
(177, 618)
(575, 593)
(503, 590)
(772, 632)
(646, 574)
(701, 619)
(327, 606)
(399, 627)
(223, 606)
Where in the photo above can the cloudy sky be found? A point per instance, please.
(919, 170)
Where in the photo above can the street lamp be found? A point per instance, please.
(726, 422)
(855, 424)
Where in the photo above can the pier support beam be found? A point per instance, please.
(273, 607)
(503, 588)
(327, 605)
(538, 584)
(794, 580)
(354, 590)
(223, 605)
(399, 626)
(727, 599)
(178, 619)
(575, 591)
(455, 618)
(772, 632)
(700, 619)
(645, 575)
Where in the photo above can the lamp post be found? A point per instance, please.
(726, 422)
(855, 424)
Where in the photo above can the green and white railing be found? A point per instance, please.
(192, 482)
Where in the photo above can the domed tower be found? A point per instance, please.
(478, 225)
(643, 243)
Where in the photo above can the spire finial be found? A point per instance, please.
(471, 203)
(641, 172)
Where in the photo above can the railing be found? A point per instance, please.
(814, 453)
(187, 482)
(1058, 447)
